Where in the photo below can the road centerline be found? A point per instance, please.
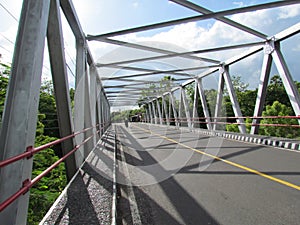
(277, 180)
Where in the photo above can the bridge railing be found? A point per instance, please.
(226, 121)
(31, 151)
(19, 120)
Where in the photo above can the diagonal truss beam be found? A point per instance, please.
(195, 18)
(278, 37)
(142, 70)
(152, 49)
(145, 81)
(157, 72)
(230, 22)
(223, 48)
(127, 85)
(135, 91)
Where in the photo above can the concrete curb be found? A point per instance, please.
(250, 138)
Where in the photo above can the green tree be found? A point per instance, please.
(276, 92)
(279, 109)
(47, 106)
(157, 89)
(44, 193)
(154, 89)
(4, 75)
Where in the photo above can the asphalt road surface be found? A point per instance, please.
(174, 177)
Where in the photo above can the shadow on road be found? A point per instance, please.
(187, 208)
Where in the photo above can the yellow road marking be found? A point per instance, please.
(226, 161)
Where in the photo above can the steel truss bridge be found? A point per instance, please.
(96, 93)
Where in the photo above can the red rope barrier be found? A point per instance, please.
(194, 120)
(30, 151)
(27, 184)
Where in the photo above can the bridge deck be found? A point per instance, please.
(174, 183)
(170, 176)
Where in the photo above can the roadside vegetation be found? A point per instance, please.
(277, 104)
(44, 193)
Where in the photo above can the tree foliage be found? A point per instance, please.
(118, 117)
(279, 109)
(4, 75)
(277, 104)
(44, 193)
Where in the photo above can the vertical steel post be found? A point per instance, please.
(170, 107)
(262, 89)
(195, 116)
(97, 115)
(165, 110)
(102, 112)
(180, 108)
(186, 107)
(204, 103)
(79, 98)
(174, 109)
(21, 106)
(159, 112)
(99, 102)
(146, 115)
(60, 83)
(235, 104)
(150, 112)
(93, 101)
(219, 99)
(87, 113)
(287, 79)
(154, 112)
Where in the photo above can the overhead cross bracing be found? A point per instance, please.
(132, 71)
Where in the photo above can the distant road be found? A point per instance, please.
(187, 178)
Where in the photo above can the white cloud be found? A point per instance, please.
(191, 36)
(135, 4)
(239, 4)
(296, 47)
(289, 12)
(7, 38)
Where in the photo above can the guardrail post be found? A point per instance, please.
(21, 107)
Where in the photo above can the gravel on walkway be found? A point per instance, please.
(88, 197)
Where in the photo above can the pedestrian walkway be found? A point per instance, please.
(87, 199)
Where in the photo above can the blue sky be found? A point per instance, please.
(101, 16)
